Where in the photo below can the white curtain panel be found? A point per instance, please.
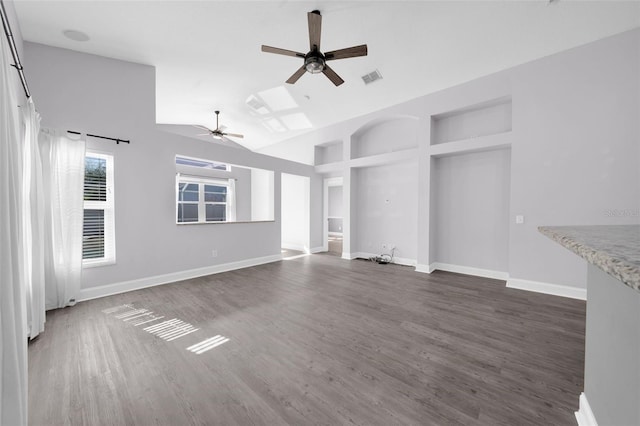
(13, 319)
(63, 176)
(33, 213)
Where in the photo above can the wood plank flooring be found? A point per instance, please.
(316, 340)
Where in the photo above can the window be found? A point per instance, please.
(98, 233)
(200, 200)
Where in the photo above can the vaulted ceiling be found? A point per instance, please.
(207, 53)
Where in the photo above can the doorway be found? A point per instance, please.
(333, 212)
(295, 214)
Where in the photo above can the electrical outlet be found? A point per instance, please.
(519, 219)
(214, 253)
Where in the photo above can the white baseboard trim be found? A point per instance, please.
(293, 246)
(548, 288)
(425, 269)
(584, 415)
(468, 270)
(398, 260)
(125, 286)
(348, 256)
(317, 250)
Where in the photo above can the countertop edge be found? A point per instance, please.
(626, 273)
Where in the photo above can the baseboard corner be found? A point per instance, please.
(584, 415)
(425, 269)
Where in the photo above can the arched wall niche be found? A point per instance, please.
(385, 135)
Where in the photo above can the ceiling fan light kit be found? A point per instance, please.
(315, 61)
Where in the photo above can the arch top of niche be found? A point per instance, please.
(384, 120)
(385, 135)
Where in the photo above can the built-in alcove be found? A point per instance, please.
(474, 121)
(469, 212)
(385, 136)
(384, 211)
(327, 153)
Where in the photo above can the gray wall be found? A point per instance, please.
(472, 210)
(335, 208)
(387, 209)
(335, 201)
(243, 193)
(575, 155)
(108, 97)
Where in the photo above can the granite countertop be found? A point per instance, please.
(613, 248)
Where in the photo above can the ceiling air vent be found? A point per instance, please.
(257, 105)
(371, 77)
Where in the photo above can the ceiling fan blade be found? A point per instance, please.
(204, 134)
(331, 74)
(279, 51)
(315, 27)
(233, 135)
(296, 75)
(349, 52)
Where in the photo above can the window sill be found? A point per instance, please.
(96, 264)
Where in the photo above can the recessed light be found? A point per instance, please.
(75, 35)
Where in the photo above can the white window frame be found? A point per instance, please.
(202, 204)
(108, 207)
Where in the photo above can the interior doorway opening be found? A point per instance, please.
(295, 214)
(333, 201)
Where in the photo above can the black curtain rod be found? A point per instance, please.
(14, 51)
(116, 140)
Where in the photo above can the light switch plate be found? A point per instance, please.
(519, 219)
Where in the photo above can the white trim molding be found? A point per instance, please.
(317, 250)
(584, 415)
(296, 247)
(125, 286)
(397, 260)
(349, 256)
(548, 288)
(468, 270)
(425, 269)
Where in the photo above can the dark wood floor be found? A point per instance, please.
(315, 340)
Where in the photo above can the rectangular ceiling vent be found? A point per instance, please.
(257, 105)
(371, 77)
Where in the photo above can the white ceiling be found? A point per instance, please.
(207, 53)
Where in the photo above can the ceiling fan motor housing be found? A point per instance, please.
(314, 62)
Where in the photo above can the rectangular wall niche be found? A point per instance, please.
(328, 153)
(484, 119)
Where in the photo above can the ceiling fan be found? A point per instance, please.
(219, 132)
(315, 61)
